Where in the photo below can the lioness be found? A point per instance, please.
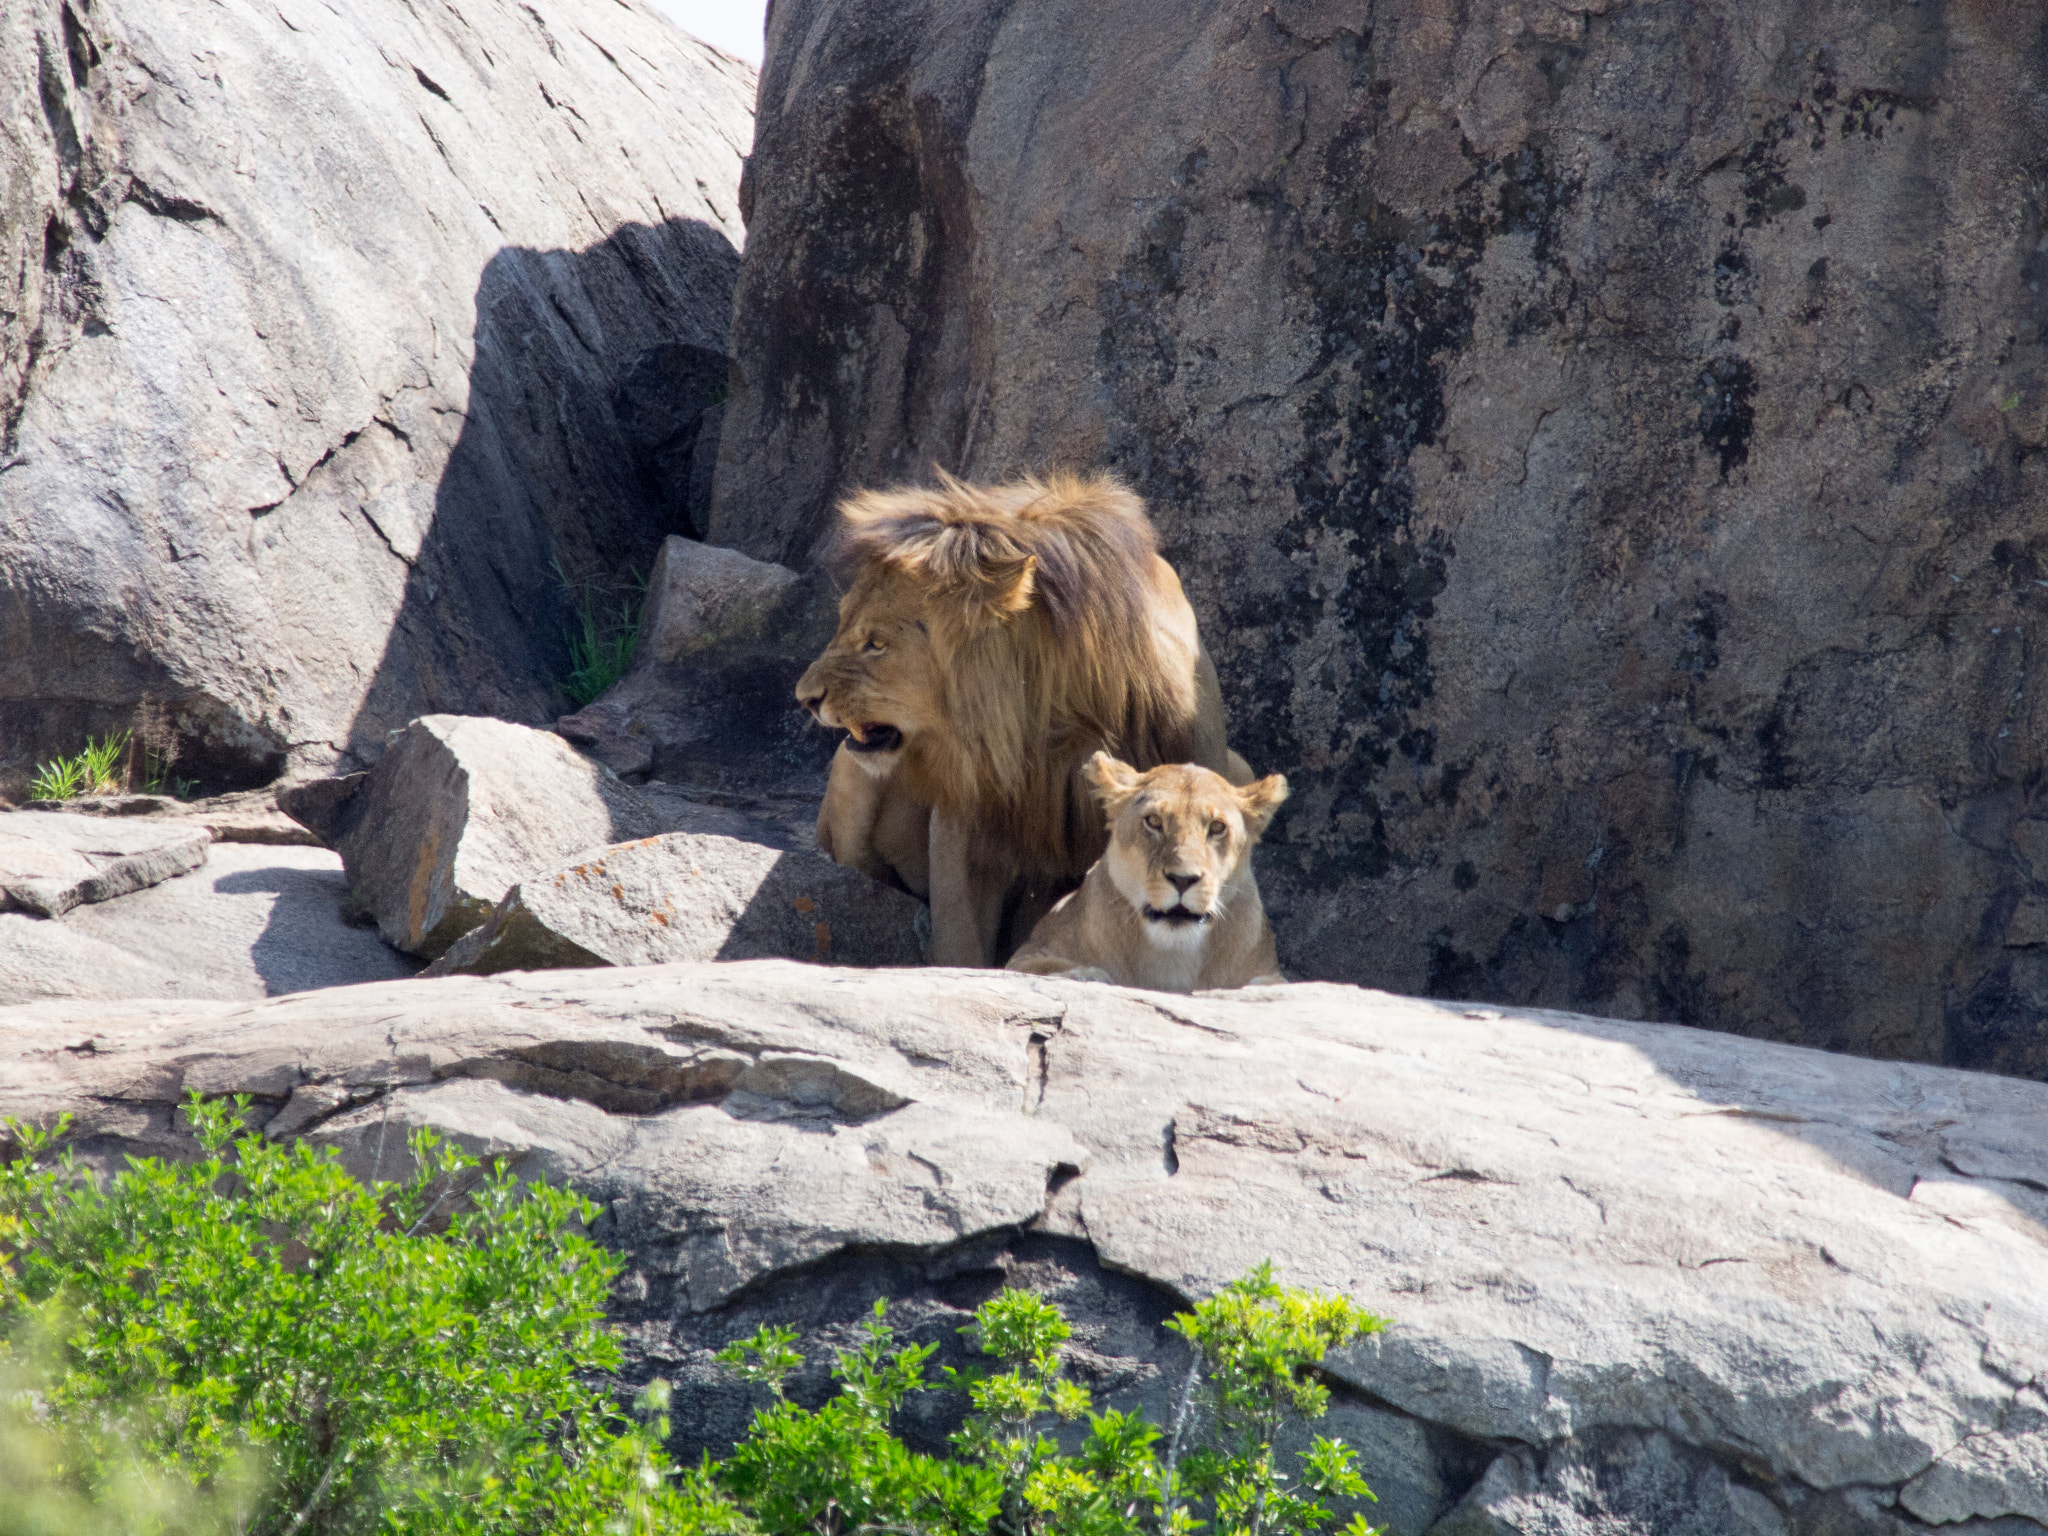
(1173, 905)
(991, 639)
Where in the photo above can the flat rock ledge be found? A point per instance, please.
(56, 861)
(1642, 1277)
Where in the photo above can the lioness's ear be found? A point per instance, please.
(1259, 800)
(1113, 782)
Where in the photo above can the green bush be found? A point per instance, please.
(256, 1343)
(838, 1471)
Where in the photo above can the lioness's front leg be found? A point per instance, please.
(967, 907)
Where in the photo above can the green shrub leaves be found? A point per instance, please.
(257, 1343)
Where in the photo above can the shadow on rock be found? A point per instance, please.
(592, 374)
(304, 944)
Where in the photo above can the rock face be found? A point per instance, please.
(1642, 1278)
(52, 862)
(1603, 444)
(690, 896)
(328, 335)
(456, 813)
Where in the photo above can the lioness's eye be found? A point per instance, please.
(874, 643)
(1217, 829)
(1154, 823)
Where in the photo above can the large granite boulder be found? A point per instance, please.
(1603, 444)
(338, 343)
(690, 896)
(1642, 1278)
(455, 814)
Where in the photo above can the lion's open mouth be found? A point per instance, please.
(1175, 917)
(873, 738)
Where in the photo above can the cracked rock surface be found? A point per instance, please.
(1642, 1277)
(314, 322)
(252, 921)
(1603, 444)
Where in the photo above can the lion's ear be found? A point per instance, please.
(1007, 586)
(1113, 782)
(1259, 800)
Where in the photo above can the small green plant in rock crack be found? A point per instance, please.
(606, 634)
(95, 771)
(837, 1471)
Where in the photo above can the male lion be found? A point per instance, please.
(1173, 905)
(992, 638)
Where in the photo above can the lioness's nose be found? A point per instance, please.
(1182, 882)
(810, 701)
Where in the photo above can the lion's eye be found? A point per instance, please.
(1217, 829)
(1155, 823)
(874, 645)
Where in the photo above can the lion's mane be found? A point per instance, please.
(1045, 613)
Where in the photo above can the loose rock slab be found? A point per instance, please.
(51, 862)
(689, 896)
(457, 812)
(1635, 1270)
(252, 921)
(249, 817)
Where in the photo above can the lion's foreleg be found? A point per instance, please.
(870, 823)
(967, 906)
(901, 839)
(846, 819)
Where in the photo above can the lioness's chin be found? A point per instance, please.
(1178, 929)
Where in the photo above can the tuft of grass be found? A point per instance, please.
(601, 645)
(159, 780)
(95, 771)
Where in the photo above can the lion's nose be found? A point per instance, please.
(1182, 882)
(811, 701)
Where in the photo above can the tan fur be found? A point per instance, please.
(1180, 840)
(1006, 632)
(866, 825)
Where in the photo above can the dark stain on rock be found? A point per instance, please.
(868, 244)
(1996, 1026)
(1701, 651)
(1391, 295)
(1453, 974)
(1733, 280)
(1725, 390)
